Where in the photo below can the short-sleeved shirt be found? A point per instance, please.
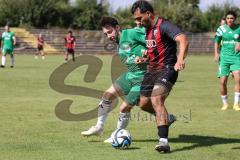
(8, 40)
(228, 38)
(161, 44)
(40, 41)
(132, 44)
(70, 42)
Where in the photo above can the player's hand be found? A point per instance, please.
(145, 56)
(216, 57)
(137, 60)
(180, 65)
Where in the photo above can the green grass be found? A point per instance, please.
(30, 130)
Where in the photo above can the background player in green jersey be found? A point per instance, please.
(131, 44)
(7, 46)
(229, 34)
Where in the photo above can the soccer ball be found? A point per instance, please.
(121, 139)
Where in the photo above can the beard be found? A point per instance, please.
(147, 24)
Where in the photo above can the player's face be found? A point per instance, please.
(6, 28)
(110, 32)
(230, 19)
(142, 18)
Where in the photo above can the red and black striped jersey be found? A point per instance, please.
(70, 42)
(161, 44)
(40, 41)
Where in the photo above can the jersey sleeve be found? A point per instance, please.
(169, 29)
(238, 39)
(130, 39)
(13, 36)
(219, 34)
(139, 35)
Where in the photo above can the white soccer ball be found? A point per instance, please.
(121, 139)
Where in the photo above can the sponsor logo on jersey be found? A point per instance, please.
(151, 43)
(236, 36)
(155, 32)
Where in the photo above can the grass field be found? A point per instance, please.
(30, 129)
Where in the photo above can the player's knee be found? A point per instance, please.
(125, 109)
(158, 101)
(223, 82)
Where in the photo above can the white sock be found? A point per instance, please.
(12, 61)
(164, 140)
(123, 120)
(43, 57)
(224, 99)
(236, 98)
(104, 107)
(3, 60)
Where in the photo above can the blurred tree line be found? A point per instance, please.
(85, 14)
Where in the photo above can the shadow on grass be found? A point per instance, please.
(197, 140)
(127, 149)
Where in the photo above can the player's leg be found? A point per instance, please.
(104, 107)
(11, 59)
(223, 73)
(73, 54)
(163, 85)
(235, 68)
(37, 53)
(119, 88)
(66, 55)
(237, 90)
(42, 53)
(3, 58)
(145, 104)
(123, 118)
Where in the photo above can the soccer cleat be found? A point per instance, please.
(11, 66)
(109, 140)
(171, 119)
(162, 147)
(2, 66)
(224, 107)
(93, 131)
(236, 107)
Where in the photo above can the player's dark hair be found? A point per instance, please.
(223, 18)
(108, 21)
(70, 31)
(234, 14)
(143, 6)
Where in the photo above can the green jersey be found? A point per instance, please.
(229, 37)
(132, 44)
(7, 40)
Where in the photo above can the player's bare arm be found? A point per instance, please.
(183, 48)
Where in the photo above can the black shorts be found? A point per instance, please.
(165, 77)
(40, 48)
(70, 50)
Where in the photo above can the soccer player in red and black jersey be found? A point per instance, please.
(70, 43)
(40, 46)
(161, 38)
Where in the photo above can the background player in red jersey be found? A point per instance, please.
(70, 43)
(161, 38)
(40, 46)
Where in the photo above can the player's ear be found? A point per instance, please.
(118, 28)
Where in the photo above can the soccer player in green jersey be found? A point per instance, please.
(7, 46)
(131, 44)
(229, 34)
